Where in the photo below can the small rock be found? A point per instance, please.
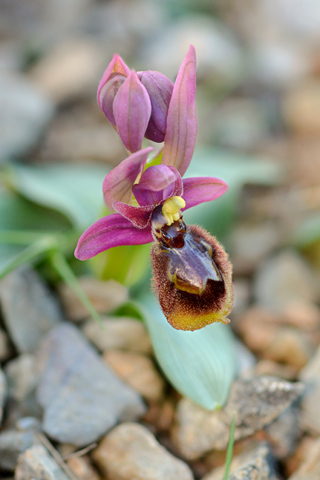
(269, 367)
(137, 371)
(36, 464)
(82, 398)
(284, 279)
(2, 393)
(22, 376)
(256, 463)
(257, 401)
(82, 468)
(310, 375)
(310, 467)
(262, 331)
(70, 70)
(12, 444)
(23, 116)
(29, 309)
(251, 245)
(301, 107)
(131, 451)
(5, 346)
(118, 333)
(284, 432)
(104, 295)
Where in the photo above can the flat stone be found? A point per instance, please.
(118, 333)
(12, 444)
(257, 401)
(310, 467)
(29, 309)
(23, 116)
(36, 464)
(22, 378)
(130, 451)
(104, 295)
(256, 463)
(82, 398)
(283, 279)
(137, 371)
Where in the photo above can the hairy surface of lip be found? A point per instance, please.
(193, 279)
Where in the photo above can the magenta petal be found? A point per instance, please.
(118, 183)
(198, 190)
(108, 232)
(156, 184)
(139, 216)
(181, 129)
(108, 93)
(159, 89)
(116, 65)
(132, 110)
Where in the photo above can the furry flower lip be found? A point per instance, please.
(192, 275)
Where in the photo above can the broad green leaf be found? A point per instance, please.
(74, 191)
(236, 170)
(201, 364)
(127, 264)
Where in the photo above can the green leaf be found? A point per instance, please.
(201, 364)
(74, 191)
(126, 264)
(230, 448)
(62, 267)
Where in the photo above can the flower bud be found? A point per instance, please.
(108, 93)
(132, 110)
(159, 89)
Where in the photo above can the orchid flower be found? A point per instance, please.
(136, 104)
(192, 275)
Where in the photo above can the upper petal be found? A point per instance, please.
(159, 89)
(156, 184)
(108, 232)
(118, 182)
(181, 129)
(198, 190)
(116, 65)
(132, 110)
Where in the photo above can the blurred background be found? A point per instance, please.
(258, 104)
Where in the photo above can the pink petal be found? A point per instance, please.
(159, 89)
(118, 182)
(116, 65)
(198, 190)
(138, 216)
(132, 110)
(156, 184)
(181, 129)
(108, 232)
(108, 94)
